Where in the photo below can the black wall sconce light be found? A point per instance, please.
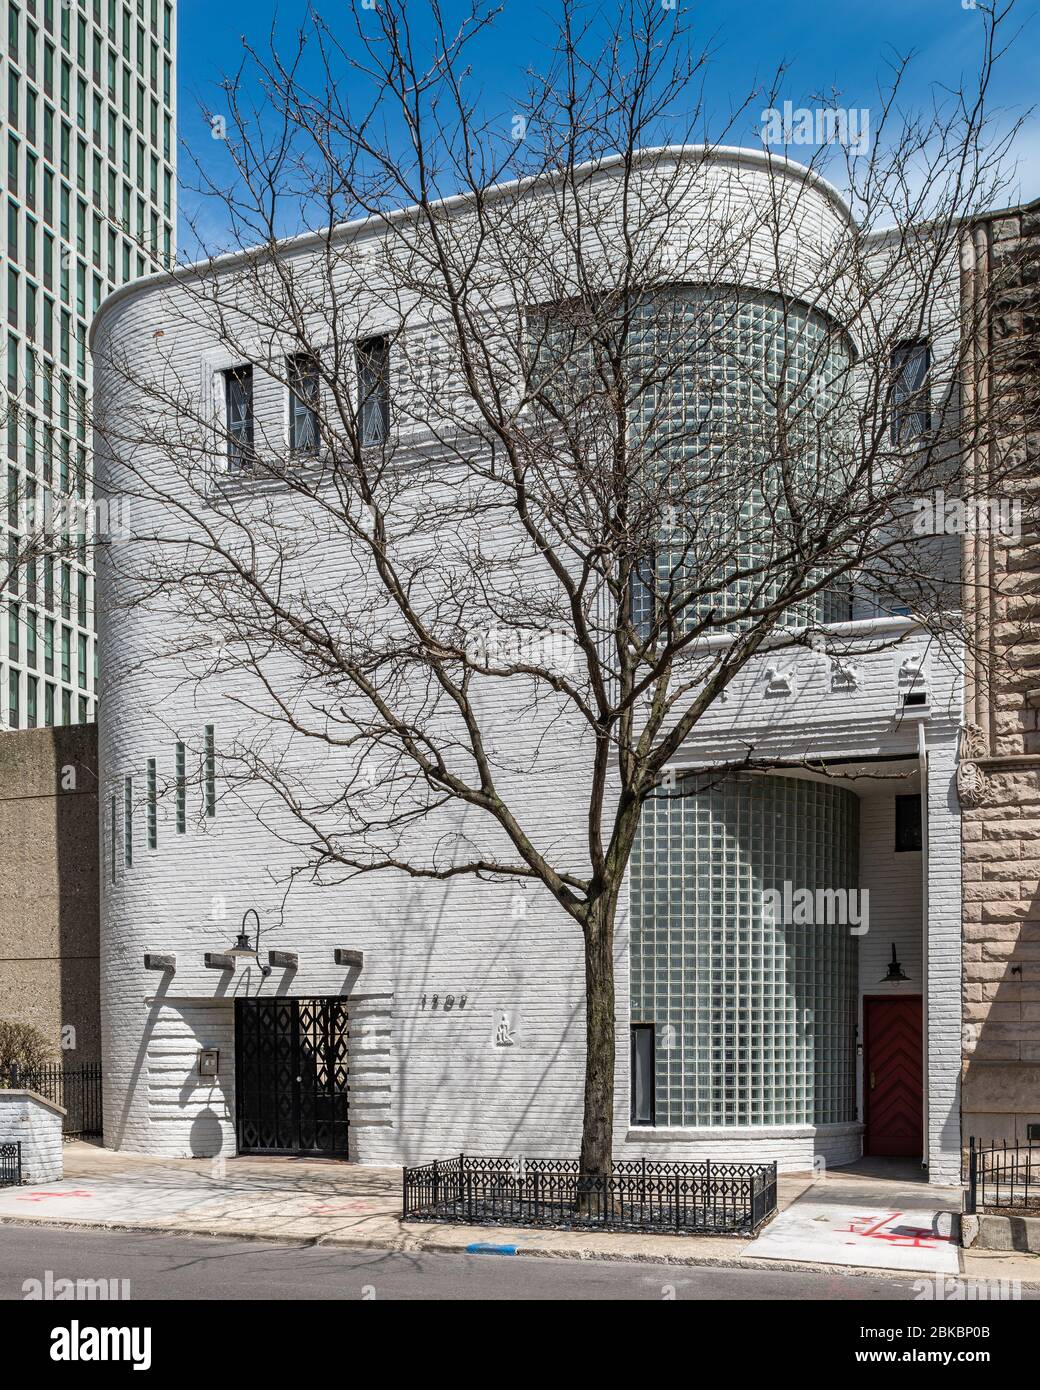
(895, 973)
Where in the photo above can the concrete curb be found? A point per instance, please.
(1009, 1233)
(136, 1228)
(433, 1245)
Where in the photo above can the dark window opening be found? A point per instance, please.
(238, 394)
(373, 361)
(910, 399)
(908, 823)
(303, 404)
(643, 1058)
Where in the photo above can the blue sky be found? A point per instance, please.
(828, 46)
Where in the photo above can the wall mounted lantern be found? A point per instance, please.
(242, 946)
(895, 974)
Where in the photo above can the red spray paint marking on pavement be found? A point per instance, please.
(42, 1196)
(909, 1237)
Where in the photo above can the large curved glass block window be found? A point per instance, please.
(742, 388)
(754, 1015)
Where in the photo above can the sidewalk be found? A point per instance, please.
(849, 1221)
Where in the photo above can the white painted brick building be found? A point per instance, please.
(465, 1032)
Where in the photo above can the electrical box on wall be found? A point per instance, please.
(209, 1061)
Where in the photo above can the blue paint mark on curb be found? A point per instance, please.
(481, 1247)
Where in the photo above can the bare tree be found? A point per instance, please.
(590, 411)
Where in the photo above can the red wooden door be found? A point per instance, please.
(892, 1076)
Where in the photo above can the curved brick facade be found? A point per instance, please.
(466, 1034)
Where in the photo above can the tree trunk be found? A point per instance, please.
(597, 1135)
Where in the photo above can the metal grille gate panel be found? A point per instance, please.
(291, 1076)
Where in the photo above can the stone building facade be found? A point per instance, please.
(999, 772)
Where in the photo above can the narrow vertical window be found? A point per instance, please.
(209, 773)
(182, 789)
(128, 821)
(642, 1079)
(238, 400)
(302, 374)
(373, 364)
(908, 823)
(910, 399)
(153, 807)
(112, 838)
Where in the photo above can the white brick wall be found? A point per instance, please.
(33, 1122)
(437, 1082)
(943, 1019)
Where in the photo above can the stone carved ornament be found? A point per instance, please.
(971, 780)
(844, 674)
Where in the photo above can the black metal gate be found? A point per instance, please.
(76, 1089)
(291, 1076)
(10, 1165)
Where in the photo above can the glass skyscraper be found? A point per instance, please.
(88, 168)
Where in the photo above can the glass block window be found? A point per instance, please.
(209, 773)
(181, 779)
(733, 366)
(128, 821)
(754, 1018)
(713, 376)
(153, 805)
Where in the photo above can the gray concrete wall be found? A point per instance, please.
(49, 885)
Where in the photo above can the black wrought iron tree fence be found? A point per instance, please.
(639, 1195)
(10, 1165)
(1002, 1177)
(76, 1089)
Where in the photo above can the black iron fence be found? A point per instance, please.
(77, 1089)
(640, 1195)
(10, 1165)
(1002, 1178)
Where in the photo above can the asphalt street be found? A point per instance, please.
(157, 1267)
